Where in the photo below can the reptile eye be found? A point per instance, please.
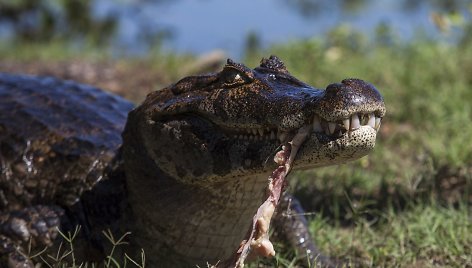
(233, 77)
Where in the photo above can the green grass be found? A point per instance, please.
(407, 204)
(424, 236)
(65, 255)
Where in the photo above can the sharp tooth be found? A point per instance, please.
(331, 127)
(377, 123)
(371, 120)
(316, 124)
(281, 136)
(261, 132)
(326, 130)
(355, 124)
(272, 135)
(346, 123)
(254, 131)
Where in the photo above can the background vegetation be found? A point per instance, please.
(407, 204)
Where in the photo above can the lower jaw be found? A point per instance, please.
(320, 150)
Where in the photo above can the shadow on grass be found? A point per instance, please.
(344, 203)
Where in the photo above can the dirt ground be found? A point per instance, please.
(119, 78)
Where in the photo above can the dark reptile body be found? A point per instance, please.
(191, 187)
(57, 140)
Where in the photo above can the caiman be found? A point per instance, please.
(185, 171)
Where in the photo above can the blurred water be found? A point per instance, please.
(200, 26)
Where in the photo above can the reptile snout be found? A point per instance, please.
(351, 96)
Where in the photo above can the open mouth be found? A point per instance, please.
(332, 129)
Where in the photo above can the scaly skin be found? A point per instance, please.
(196, 156)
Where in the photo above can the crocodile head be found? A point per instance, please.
(230, 123)
(198, 153)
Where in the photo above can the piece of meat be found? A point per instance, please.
(258, 243)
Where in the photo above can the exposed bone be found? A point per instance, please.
(258, 243)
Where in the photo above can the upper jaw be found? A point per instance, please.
(319, 125)
(341, 108)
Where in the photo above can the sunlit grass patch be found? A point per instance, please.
(427, 235)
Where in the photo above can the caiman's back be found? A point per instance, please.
(56, 140)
